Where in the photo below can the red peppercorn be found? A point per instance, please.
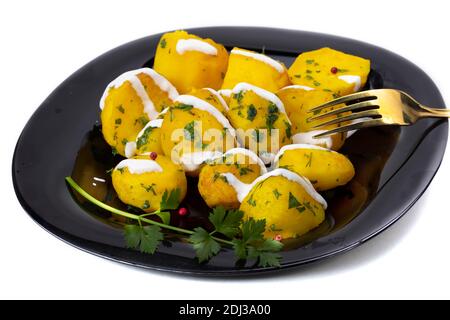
(334, 70)
(153, 155)
(182, 211)
(278, 237)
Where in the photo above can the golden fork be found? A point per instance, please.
(373, 108)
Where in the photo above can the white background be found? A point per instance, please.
(43, 42)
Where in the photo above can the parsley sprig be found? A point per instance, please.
(246, 237)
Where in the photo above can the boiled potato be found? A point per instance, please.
(129, 102)
(325, 169)
(212, 97)
(214, 188)
(142, 182)
(330, 70)
(298, 100)
(190, 62)
(290, 209)
(194, 127)
(256, 69)
(260, 119)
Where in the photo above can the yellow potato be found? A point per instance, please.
(215, 189)
(289, 210)
(188, 129)
(328, 69)
(261, 125)
(145, 190)
(191, 62)
(297, 102)
(325, 169)
(256, 69)
(212, 97)
(129, 102)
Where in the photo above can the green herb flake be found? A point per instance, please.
(276, 193)
(288, 129)
(163, 43)
(251, 201)
(251, 112)
(143, 138)
(118, 121)
(309, 162)
(149, 188)
(310, 61)
(189, 130)
(293, 202)
(121, 109)
(244, 170)
(316, 83)
(239, 96)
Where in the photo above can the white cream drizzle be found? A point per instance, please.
(297, 146)
(308, 138)
(192, 161)
(243, 189)
(225, 92)
(139, 166)
(297, 86)
(356, 80)
(184, 45)
(243, 86)
(261, 57)
(132, 77)
(200, 104)
(246, 152)
(130, 149)
(219, 97)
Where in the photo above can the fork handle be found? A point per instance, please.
(434, 113)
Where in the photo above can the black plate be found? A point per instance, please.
(394, 166)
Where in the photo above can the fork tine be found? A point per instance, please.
(357, 115)
(351, 107)
(355, 126)
(344, 99)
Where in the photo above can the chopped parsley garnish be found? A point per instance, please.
(309, 162)
(189, 130)
(118, 121)
(163, 43)
(244, 170)
(251, 201)
(149, 188)
(143, 139)
(276, 193)
(310, 61)
(239, 96)
(121, 109)
(124, 141)
(184, 107)
(251, 112)
(142, 120)
(272, 116)
(316, 83)
(288, 129)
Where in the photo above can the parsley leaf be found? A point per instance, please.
(170, 201)
(226, 222)
(205, 246)
(163, 43)
(145, 238)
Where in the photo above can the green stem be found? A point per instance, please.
(122, 213)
